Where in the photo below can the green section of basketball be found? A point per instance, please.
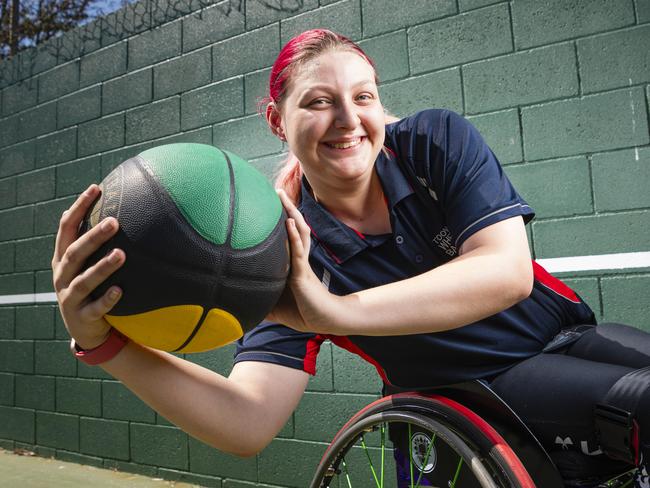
(197, 179)
(257, 206)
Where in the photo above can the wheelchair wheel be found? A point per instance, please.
(437, 443)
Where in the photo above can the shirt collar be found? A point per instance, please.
(340, 241)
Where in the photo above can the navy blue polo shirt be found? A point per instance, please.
(467, 191)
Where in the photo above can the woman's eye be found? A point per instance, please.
(364, 97)
(320, 101)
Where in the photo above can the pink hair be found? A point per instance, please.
(295, 53)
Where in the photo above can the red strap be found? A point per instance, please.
(102, 353)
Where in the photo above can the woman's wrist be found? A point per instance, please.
(106, 350)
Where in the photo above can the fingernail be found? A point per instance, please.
(107, 225)
(113, 257)
(114, 294)
(90, 190)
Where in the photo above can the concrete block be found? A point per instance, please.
(558, 188)
(8, 192)
(155, 45)
(354, 375)
(104, 438)
(43, 284)
(536, 23)
(597, 234)
(621, 179)
(73, 178)
(35, 392)
(320, 415)
(7, 390)
(34, 254)
(7, 322)
(182, 74)
(609, 120)
(73, 457)
(324, 379)
(17, 159)
(7, 257)
(59, 81)
(213, 103)
(120, 403)
(440, 90)
(17, 283)
(128, 91)
(54, 358)
(79, 396)
(162, 446)
(615, 60)
(19, 96)
(79, 107)
(269, 165)
(589, 291)
(212, 24)
(621, 298)
(35, 322)
(125, 22)
(248, 137)
(473, 4)
(46, 216)
(259, 14)
(56, 148)
(381, 15)
(515, 79)
(103, 65)
(502, 133)
(101, 135)
(205, 459)
(35, 186)
(37, 121)
(343, 18)
(57, 430)
(9, 131)
(454, 40)
(80, 41)
(390, 55)
(16, 223)
(256, 88)
(289, 463)
(643, 11)
(153, 120)
(247, 52)
(18, 424)
(199, 136)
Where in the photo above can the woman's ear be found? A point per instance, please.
(274, 119)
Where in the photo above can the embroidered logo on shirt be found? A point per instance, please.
(443, 241)
(326, 279)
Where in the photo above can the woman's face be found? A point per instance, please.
(332, 118)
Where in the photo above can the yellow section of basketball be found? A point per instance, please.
(168, 328)
(165, 328)
(218, 329)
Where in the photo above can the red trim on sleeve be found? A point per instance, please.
(347, 344)
(312, 350)
(552, 283)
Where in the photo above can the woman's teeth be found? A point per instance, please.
(344, 145)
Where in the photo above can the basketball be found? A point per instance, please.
(204, 234)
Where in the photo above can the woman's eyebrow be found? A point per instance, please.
(326, 87)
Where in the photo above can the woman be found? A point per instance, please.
(432, 288)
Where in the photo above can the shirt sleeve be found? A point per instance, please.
(270, 342)
(461, 170)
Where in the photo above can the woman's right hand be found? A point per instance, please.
(83, 316)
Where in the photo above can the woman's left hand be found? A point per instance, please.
(305, 305)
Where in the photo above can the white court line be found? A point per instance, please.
(599, 262)
(627, 260)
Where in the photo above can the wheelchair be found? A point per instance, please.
(439, 441)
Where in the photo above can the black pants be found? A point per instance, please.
(555, 394)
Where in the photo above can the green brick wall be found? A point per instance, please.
(559, 88)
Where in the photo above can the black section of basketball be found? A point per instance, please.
(168, 263)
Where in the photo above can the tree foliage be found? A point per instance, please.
(25, 23)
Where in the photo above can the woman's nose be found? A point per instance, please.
(346, 116)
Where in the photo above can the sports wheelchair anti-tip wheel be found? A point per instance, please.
(438, 443)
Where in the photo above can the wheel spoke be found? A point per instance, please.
(460, 463)
(383, 458)
(408, 446)
(372, 468)
(347, 473)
